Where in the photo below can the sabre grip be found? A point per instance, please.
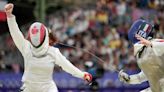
(124, 77)
(87, 77)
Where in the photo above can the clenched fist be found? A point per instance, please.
(9, 9)
(124, 77)
(87, 77)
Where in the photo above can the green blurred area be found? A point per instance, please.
(39, 8)
(28, 11)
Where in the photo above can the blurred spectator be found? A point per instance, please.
(101, 30)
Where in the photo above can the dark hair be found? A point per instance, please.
(52, 38)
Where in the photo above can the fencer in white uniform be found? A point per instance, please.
(150, 57)
(39, 57)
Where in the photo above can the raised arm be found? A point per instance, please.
(14, 30)
(70, 68)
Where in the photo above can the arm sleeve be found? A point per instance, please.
(137, 78)
(146, 90)
(16, 34)
(67, 66)
(158, 46)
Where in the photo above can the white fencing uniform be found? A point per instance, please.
(38, 70)
(150, 59)
(151, 62)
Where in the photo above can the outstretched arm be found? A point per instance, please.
(70, 68)
(137, 78)
(132, 79)
(14, 30)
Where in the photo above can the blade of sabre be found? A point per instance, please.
(84, 50)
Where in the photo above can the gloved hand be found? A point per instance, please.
(123, 77)
(9, 9)
(87, 77)
(143, 40)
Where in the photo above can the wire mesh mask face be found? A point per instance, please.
(39, 39)
(37, 34)
(140, 27)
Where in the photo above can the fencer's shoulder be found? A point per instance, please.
(158, 46)
(54, 52)
(53, 49)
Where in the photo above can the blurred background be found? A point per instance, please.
(99, 26)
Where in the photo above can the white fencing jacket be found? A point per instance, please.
(151, 63)
(39, 69)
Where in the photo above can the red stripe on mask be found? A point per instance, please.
(148, 29)
(42, 33)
